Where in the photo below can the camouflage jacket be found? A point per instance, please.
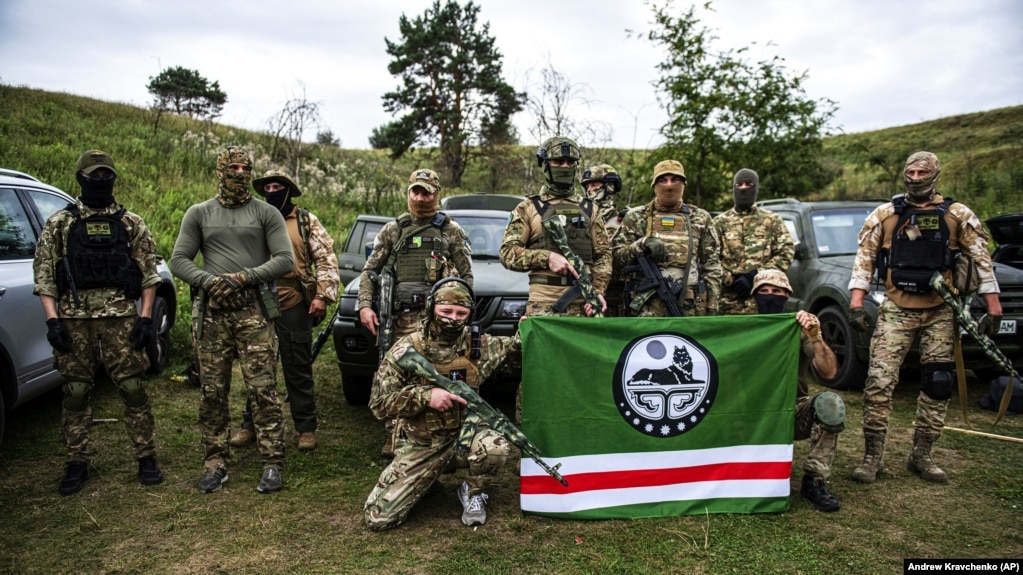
(97, 302)
(968, 235)
(319, 248)
(525, 225)
(459, 254)
(704, 240)
(402, 394)
(753, 240)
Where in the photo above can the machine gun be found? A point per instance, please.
(583, 285)
(412, 361)
(667, 290)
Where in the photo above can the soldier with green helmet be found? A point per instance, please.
(93, 260)
(602, 184)
(680, 238)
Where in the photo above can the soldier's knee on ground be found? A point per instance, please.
(936, 380)
(829, 410)
(133, 391)
(76, 395)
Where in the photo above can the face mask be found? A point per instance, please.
(451, 328)
(744, 198)
(420, 209)
(234, 189)
(97, 193)
(280, 200)
(668, 196)
(770, 303)
(920, 190)
(562, 180)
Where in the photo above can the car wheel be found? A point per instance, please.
(356, 389)
(838, 334)
(159, 348)
(3, 416)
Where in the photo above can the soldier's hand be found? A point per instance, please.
(560, 265)
(238, 279)
(225, 291)
(58, 335)
(142, 332)
(742, 284)
(656, 248)
(989, 324)
(443, 400)
(368, 318)
(858, 319)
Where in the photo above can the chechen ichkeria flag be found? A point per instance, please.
(658, 417)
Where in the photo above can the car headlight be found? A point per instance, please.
(512, 309)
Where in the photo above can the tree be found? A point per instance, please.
(450, 88)
(551, 102)
(186, 92)
(727, 113)
(288, 127)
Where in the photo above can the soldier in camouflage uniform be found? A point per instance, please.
(602, 184)
(92, 318)
(914, 236)
(526, 247)
(680, 238)
(431, 422)
(416, 248)
(304, 295)
(752, 239)
(820, 417)
(245, 247)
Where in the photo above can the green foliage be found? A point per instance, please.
(727, 113)
(450, 84)
(186, 92)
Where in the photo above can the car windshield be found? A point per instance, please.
(835, 231)
(485, 234)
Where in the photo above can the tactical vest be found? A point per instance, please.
(920, 244)
(419, 256)
(460, 368)
(676, 233)
(98, 254)
(577, 226)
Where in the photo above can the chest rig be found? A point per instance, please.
(98, 255)
(460, 368)
(419, 257)
(920, 245)
(577, 226)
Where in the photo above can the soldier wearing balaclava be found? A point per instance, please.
(918, 234)
(752, 239)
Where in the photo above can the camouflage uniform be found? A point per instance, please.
(99, 330)
(603, 199)
(432, 441)
(671, 227)
(234, 234)
(823, 442)
(754, 239)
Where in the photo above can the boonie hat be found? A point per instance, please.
(772, 277)
(278, 176)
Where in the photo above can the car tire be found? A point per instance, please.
(356, 389)
(3, 416)
(159, 348)
(839, 336)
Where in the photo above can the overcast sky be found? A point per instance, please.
(885, 63)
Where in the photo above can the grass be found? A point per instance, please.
(314, 525)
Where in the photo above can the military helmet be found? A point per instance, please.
(558, 147)
(772, 277)
(449, 291)
(278, 176)
(603, 173)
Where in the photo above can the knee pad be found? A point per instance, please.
(133, 392)
(76, 395)
(829, 410)
(936, 380)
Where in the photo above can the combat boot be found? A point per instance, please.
(873, 460)
(816, 492)
(920, 458)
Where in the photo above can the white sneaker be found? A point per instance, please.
(474, 508)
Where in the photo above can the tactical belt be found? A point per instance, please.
(550, 280)
(293, 283)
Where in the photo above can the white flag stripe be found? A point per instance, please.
(702, 490)
(604, 462)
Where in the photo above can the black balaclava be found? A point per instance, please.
(97, 192)
(745, 198)
(767, 303)
(281, 199)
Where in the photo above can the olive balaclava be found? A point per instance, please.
(744, 198)
(921, 190)
(560, 179)
(233, 190)
(97, 191)
(427, 180)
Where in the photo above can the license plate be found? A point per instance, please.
(1007, 327)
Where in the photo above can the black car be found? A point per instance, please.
(1007, 231)
(500, 301)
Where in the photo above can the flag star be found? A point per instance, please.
(681, 426)
(665, 430)
(694, 419)
(648, 428)
(635, 421)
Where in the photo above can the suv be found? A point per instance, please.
(500, 301)
(503, 202)
(826, 242)
(1007, 231)
(26, 358)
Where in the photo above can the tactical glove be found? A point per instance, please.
(858, 319)
(225, 291)
(989, 324)
(142, 332)
(58, 335)
(656, 248)
(742, 284)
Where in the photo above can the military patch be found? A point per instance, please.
(667, 223)
(417, 242)
(664, 384)
(458, 374)
(927, 222)
(97, 228)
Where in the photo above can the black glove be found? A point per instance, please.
(742, 284)
(656, 248)
(58, 335)
(142, 332)
(858, 319)
(989, 324)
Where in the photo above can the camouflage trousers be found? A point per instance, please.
(419, 460)
(822, 443)
(730, 304)
(246, 335)
(404, 324)
(892, 339)
(95, 342)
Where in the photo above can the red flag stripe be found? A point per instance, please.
(544, 484)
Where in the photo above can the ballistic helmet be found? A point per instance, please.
(558, 147)
(603, 173)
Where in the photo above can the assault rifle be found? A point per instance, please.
(583, 285)
(385, 311)
(667, 290)
(412, 361)
(321, 339)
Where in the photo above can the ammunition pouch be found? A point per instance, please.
(267, 295)
(411, 296)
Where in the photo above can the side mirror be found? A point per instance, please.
(801, 251)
